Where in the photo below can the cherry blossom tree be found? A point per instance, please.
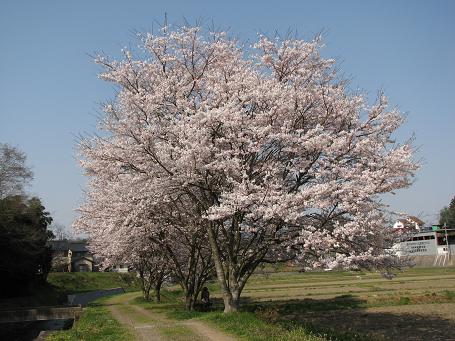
(153, 270)
(126, 226)
(262, 148)
(185, 244)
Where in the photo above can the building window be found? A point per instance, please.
(83, 268)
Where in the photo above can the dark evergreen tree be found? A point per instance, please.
(25, 259)
(447, 215)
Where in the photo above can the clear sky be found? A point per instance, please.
(49, 88)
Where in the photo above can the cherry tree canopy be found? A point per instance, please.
(126, 226)
(261, 147)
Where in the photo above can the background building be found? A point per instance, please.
(71, 256)
(410, 222)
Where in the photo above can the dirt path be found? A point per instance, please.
(148, 325)
(207, 333)
(142, 331)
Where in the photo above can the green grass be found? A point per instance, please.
(450, 295)
(60, 284)
(249, 327)
(246, 325)
(76, 282)
(254, 327)
(177, 332)
(272, 300)
(96, 323)
(404, 300)
(293, 285)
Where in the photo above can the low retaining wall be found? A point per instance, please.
(40, 314)
(87, 297)
(436, 260)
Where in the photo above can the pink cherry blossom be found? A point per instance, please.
(240, 155)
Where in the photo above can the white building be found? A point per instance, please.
(410, 222)
(428, 248)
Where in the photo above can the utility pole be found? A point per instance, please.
(447, 243)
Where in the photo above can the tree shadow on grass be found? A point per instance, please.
(385, 325)
(308, 304)
(348, 314)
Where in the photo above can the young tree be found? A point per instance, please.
(447, 215)
(59, 231)
(263, 147)
(152, 272)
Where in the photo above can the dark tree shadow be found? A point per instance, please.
(307, 304)
(385, 325)
(29, 331)
(348, 314)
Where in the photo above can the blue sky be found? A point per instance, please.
(49, 88)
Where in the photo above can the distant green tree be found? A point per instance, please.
(25, 259)
(447, 215)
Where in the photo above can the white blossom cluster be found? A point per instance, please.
(261, 153)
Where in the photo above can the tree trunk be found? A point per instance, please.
(231, 303)
(189, 302)
(144, 286)
(146, 294)
(158, 292)
(230, 299)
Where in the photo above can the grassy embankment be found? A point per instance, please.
(95, 324)
(61, 284)
(78, 282)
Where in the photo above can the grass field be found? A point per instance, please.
(418, 304)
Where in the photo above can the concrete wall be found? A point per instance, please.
(40, 314)
(436, 260)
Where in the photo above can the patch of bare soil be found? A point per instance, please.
(424, 322)
(207, 333)
(142, 331)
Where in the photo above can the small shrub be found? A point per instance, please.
(450, 295)
(404, 300)
(268, 314)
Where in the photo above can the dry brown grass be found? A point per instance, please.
(416, 305)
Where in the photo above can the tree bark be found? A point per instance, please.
(158, 291)
(231, 302)
(189, 302)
